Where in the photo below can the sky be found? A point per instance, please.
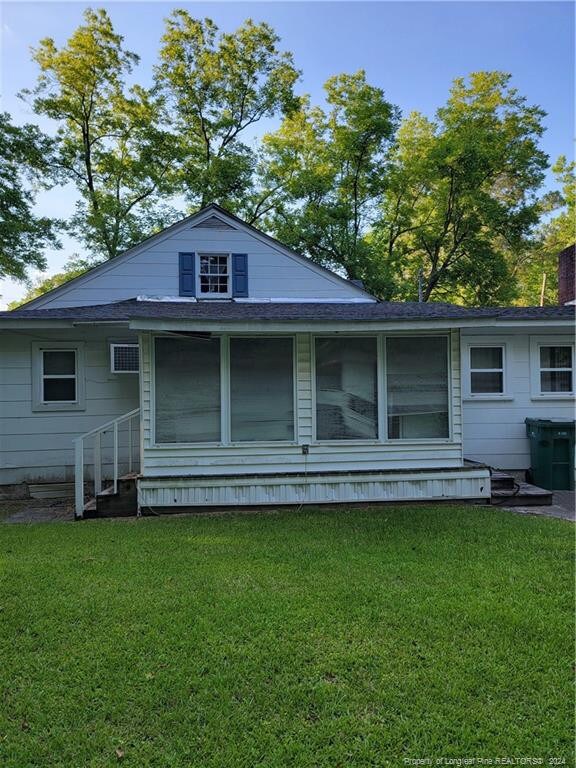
(413, 50)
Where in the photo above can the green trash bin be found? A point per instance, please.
(551, 453)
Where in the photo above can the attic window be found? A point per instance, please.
(124, 358)
(214, 274)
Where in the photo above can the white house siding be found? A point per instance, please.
(153, 270)
(494, 429)
(38, 446)
(326, 489)
(270, 458)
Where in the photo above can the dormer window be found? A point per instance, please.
(214, 274)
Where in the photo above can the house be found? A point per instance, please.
(217, 367)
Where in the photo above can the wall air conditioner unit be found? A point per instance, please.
(124, 358)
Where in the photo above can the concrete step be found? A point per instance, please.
(526, 496)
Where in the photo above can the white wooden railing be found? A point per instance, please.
(132, 421)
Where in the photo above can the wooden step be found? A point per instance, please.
(526, 496)
(500, 481)
(110, 503)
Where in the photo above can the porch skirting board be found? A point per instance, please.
(333, 488)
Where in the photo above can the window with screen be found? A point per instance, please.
(261, 389)
(417, 387)
(556, 369)
(214, 274)
(187, 385)
(59, 376)
(346, 388)
(487, 370)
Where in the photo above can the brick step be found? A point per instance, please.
(527, 496)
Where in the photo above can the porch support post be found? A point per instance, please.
(130, 446)
(97, 463)
(115, 460)
(79, 478)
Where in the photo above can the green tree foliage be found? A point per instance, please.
(537, 271)
(216, 88)
(74, 267)
(325, 170)
(23, 236)
(108, 143)
(460, 206)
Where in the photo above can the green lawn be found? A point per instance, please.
(318, 638)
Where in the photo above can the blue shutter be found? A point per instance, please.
(240, 275)
(187, 274)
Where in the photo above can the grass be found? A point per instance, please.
(318, 638)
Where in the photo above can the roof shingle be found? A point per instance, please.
(231, 311)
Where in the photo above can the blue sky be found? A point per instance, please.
(412, 50)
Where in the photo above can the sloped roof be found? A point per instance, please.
(234, 311)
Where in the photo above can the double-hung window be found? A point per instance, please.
(556, 369)
(214, 274)
(551, 367)
(58, 376)
(486, 370)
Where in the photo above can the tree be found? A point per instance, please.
(325, 172)
(108, 143)
(216, 88)
(461, 204)
(74, 267)
(23, 236)
(538, 268)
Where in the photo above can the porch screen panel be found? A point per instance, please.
(346, 389)
(187, 383)
(261, 389)
(417, 387)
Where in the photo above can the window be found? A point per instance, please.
(555, 369)
(187, 385)
(261, 389)
(346, 389)
(551, 367)
(58, 376)
(214, 274)
(417, 387)
(487, 370)
(124, 358)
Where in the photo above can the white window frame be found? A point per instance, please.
(382, 404)
(225, 402)
(203, 295)
(381, 423)
(113, 345)
(536, 342)
(468, 370)
(38, 376)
